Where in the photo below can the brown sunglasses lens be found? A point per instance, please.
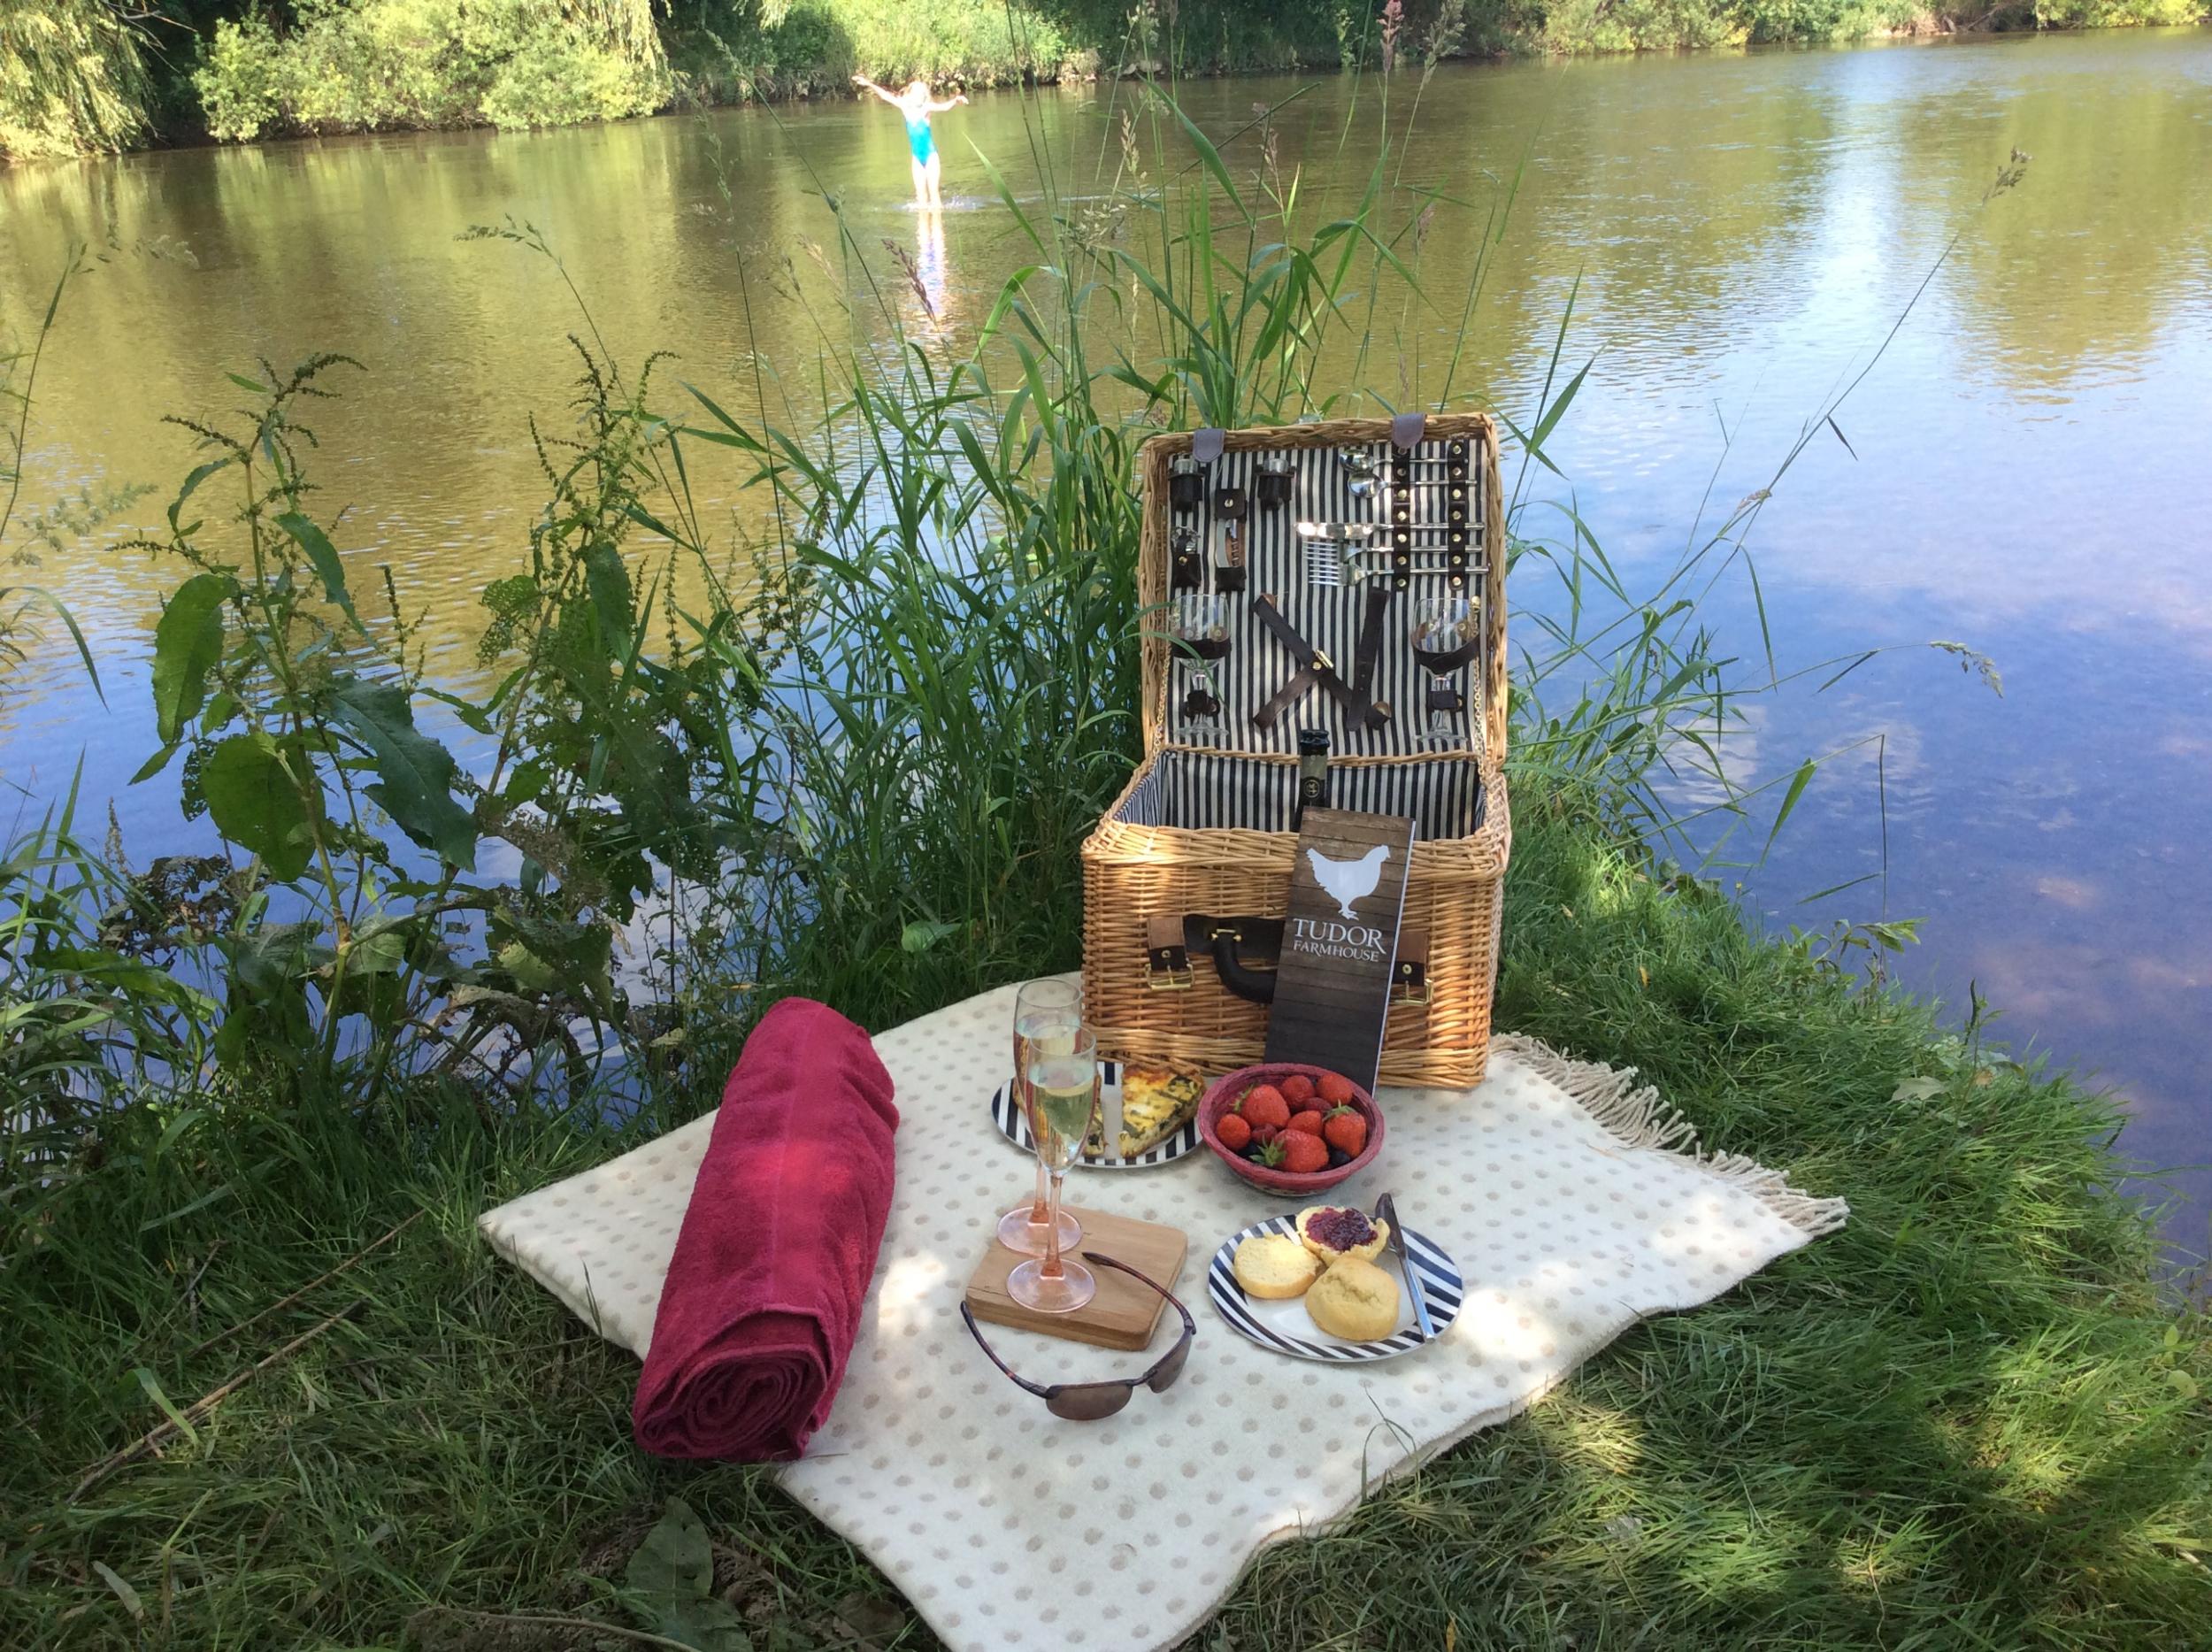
(1171, 1368)
(1089, 1402)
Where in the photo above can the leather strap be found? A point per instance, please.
(1370, 646)
(1315, 667)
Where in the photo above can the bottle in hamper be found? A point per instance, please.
(1313, 774)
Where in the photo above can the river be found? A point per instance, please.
(2028, 470)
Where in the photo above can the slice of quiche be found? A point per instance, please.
(1155, 1102)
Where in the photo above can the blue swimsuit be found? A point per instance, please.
(920, 138)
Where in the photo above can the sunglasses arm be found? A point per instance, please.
(1011, 1375)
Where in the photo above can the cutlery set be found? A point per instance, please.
(1395, 518)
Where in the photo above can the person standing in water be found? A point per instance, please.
(918, 106)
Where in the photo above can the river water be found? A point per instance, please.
(2028, 471)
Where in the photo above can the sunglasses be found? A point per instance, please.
(1094, 1401)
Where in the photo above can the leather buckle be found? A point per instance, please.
(1166, 959)
(1409, 976)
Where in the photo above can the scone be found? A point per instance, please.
(1274, 1265)
(1355, 1300)
(1332, 1232)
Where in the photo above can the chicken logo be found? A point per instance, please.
(1348, 881)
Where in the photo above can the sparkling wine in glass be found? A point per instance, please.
(1064, 1093)
(1045, 1011)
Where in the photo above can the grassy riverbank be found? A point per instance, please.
(79, 76)
(850, 753)
(1965, 1420)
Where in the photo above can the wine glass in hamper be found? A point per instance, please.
(1443, 637)
(1063, 1085)
(1200, 627)
(1041, 1009)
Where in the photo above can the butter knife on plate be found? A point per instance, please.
(1386, 1210)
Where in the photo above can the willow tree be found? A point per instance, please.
(72, 78)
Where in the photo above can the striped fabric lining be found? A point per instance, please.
(1199, 790)
(1329, 618)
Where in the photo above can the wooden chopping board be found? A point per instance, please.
(1122, 1314)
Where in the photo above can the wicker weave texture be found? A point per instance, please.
(1454, 887)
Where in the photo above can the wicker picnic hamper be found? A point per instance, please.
(1202, 830)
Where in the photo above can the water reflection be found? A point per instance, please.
(2026, 469)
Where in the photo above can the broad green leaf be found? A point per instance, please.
(1917, 1090)
(2183, 1384)
(610, 599)
(324, 555)
(188, 642)
(675, 1559)
(256, 804)
(673, 1570)
(923, 934)
(200, 473)
(156, 763)
(415, 773)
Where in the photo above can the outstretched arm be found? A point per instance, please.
(862, 80)
(952, 103)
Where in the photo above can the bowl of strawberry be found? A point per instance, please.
(1289, 1128)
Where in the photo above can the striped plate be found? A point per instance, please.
(1015, 1128)
(1285, 1326)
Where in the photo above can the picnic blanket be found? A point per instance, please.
(1574, 1203)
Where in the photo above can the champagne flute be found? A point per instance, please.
(1041, 1008)
(1063, 1091)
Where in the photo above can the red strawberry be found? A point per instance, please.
(1265, 1133)
(1303, 1154)
(1235, 1134)
(1297, 1088)
(1263, 1104)
(1345, 1129)
(1334, 1089)
(1305, 1123)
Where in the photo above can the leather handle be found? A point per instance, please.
(1257, 985)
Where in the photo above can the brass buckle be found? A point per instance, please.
(1409, 982)
(1167, 969)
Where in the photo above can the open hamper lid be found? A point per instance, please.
(1298, 559)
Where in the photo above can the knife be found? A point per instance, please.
(1386, 1210)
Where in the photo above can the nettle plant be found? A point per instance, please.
(360, 954)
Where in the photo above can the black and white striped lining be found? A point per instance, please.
(1328, 618)
(1194, 789)
(1440, 1285)
(1015, 1128)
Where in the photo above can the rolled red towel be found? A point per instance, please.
(764, 1294)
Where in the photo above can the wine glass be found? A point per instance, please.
(1040, 1008)
(1200, 630)
(1443, 636)
(1063, 1094)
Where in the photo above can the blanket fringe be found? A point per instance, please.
(1635, 1115)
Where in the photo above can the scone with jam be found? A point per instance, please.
(1334, 1231)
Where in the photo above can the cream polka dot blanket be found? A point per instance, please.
(1573, 1204)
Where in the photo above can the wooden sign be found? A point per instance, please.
(1347, 892)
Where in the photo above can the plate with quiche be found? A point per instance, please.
(1326, 1285)
(1149, 1112)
